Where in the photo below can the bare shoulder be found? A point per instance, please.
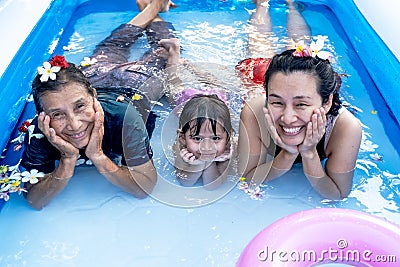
(253, 119)
(347, 124)
(346, 134)
(253, 108)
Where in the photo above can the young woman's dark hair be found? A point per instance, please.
(328, 80)
(65, 76)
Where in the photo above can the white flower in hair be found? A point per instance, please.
(48, 71)
(317, 46)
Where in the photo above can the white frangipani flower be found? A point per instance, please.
(47, 71)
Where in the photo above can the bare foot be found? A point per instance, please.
(295, 5)
(172, 45)
(169, 5)
(262, 2)
(290, 4)
(165, 4)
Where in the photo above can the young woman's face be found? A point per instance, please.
(292, 100)
(71, 113)
(207, 145)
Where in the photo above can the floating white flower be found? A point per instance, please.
(48, 71)
(15, 175)
(256, 193)
(4, 196)
(69, 47)
(87, 61)
(31, 176)
(376, 157)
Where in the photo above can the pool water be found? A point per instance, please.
(92, 223)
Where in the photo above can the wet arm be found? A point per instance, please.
(319, 180)
(186, 173)
(252, 153)
(138, 181)
(215, 174)
(335, 181)
(281, 164)
(41, 193)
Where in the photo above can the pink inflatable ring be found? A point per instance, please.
(320, 237)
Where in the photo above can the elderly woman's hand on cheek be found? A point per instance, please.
(66, 149)
(94, 148)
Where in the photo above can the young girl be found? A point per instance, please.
(203, 148)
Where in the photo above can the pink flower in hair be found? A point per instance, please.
(302, 50)
(315, 49)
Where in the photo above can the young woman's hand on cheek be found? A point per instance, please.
(275, 136)
(94, 148)
(190, 158)
(314, 132)
(66, 149)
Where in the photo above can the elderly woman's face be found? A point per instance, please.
(71, 113)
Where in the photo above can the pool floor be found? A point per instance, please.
(92, 223)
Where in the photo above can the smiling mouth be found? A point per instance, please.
(77, 135)
(207, 156)
(291, 130)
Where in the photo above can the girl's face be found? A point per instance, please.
(206, 145)
(71, 113)
(292, 99)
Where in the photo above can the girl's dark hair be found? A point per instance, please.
(201, 108)
(71, 74)
(328, 80)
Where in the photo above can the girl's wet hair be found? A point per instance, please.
(65, 76)
(328, 80)
(202, 108)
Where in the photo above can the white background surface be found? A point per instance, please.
(384, 16)
(17, 19)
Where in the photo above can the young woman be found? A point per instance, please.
(303, 116)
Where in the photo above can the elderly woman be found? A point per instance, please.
(90, 113)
